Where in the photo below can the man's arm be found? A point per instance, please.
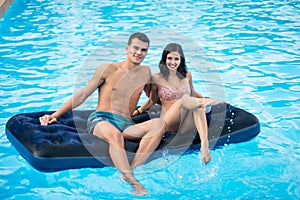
(78, 98)
(147, 88)
(152, 97)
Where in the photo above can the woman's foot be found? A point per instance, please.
(206, 157)
(205, 154)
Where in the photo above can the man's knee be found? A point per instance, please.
(109, 134)
(116, 138)
(160, 124)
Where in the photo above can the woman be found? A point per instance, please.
(173, 87)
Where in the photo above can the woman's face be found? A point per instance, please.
(173, 61)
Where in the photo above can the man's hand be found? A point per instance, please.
(135, 113)
(47, 119)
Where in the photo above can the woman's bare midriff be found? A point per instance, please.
(166, 105)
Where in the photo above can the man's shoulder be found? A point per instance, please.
(145, 69)
(105, 70)
(157, 77)
(107, 67)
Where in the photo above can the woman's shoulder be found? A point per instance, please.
(189, 75)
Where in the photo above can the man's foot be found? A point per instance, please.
(137, 187)
(139, 190)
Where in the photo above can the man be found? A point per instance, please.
(120, 86)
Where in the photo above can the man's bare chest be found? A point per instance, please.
(129, 82)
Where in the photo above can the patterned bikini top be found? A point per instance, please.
(168, 94)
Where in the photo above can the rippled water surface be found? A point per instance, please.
(246, 52)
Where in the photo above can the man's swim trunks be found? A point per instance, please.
(116, 120)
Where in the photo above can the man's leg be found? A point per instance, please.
(150, 133)
(107, 132)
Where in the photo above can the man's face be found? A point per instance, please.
(137, 51)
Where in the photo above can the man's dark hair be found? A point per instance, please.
(140, 36)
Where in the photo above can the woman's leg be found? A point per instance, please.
(193, 103)
(201, 125)
(198, 106)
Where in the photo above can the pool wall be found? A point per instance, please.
(4, 5)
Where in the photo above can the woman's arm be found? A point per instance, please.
(193, 91)
(205, 101)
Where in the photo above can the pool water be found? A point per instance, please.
(246, 52)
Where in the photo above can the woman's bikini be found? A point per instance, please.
(168, 93)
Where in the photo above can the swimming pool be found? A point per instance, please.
(244, 51)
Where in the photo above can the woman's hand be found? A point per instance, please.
(47, 119)
(212, 102)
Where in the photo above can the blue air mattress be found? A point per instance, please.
(66, 144)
